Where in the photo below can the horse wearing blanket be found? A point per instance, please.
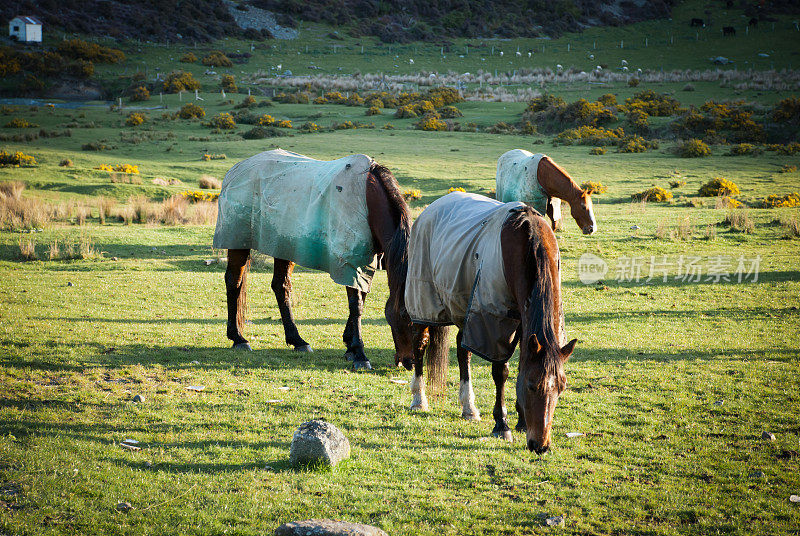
(338, 216)
(538, 181)
(492, 269)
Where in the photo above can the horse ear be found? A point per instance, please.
(566, 351)
(533, 344)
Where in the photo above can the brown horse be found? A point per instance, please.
(540, 182)
(527, 273)
(389, 223)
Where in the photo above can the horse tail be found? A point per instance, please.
(437, 359)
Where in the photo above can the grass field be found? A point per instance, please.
(672, 382)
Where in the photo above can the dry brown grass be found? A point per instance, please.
(711, 232)
(126, 214)
(54, 251)
(18, 212)
(82, 212)
(740, 220)
(27, 248)
(105, 208)
(12, 189)
(86, 247)
(203, 213)
(207, 182)
(174, 209)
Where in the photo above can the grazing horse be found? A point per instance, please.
(492, 269)
(338, 216)
(537, 180)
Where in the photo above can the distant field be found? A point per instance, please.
(672, 382)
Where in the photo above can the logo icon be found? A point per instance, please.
(591, 269)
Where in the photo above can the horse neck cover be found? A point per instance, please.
(456, 274)
(293, 207)
(517, 181)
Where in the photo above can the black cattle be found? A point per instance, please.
(697, 22)
(728, 30)
(753, 23)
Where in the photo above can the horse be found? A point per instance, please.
(344, 240)
(492, 269)
(540, 182)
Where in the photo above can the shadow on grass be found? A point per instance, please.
(777, 276)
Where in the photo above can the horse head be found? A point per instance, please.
(582, 211)
(540, 382)
(400, 323)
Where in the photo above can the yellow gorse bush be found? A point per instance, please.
(594, 188)
(121, 168)
(455, 189)
(196, 196)
(410, 195)
(788, 200)
(16, 159)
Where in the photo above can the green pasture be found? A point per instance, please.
(672, 383)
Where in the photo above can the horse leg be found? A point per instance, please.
(465, 393)
(500, 414)
(520, 427)
(419, 401)
(352, 330)
(236, 292)
(282, 287)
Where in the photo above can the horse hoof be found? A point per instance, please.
(505, 434)
(407, 363)
(419, 407)
(362, 365)
(304, 348)
(471, 416)
(243, 346)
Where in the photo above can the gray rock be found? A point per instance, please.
(124, 507)
(318, 442)
(757, 475)
(555, 521)
(326, 527)
(769, 436)
(138, 398)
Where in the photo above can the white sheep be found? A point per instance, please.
(591, 56)
(530, 54)
(624, 69)
(624, 62)
(598, 68)
(559, 67)
(411, 62)
(501, 53)
(519, 54)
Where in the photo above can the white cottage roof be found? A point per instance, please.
(27, 19)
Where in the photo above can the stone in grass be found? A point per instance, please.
(318, 443)
(555, 521)
(769, 436)
(326, 527)
(138, 398)
(124, 507)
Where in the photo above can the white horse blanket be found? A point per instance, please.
(456, 274)
(516, 181)
(293, 207)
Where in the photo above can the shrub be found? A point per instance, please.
(693, 148)
(652, 103)
(608, 99)
(188, 58)
(285, 123)
(791, 226)
(445, 95)
(334, 97)
(135, 119)
(677, 184)
(656, 193)
(209, 156)
(18, 122)
(81, 50)
(174, 209)
(790, 149)
(388, 126)
(180, 81)
(788, 200)
(741, 149)
(787, 169)
(727, 202)
(544, 102)
(292, 98)
(320, 100)
(636, 144)
(248, 102)
(197, 196)
(588, 135)
(718, 186)
(309, 127)
(787, 111)
(431, 122)
(95, 146)
(140, 94)
(121, 168)
(597, 150)
(355, 100)
(191, 111)
(455, 189)
(449, 112)
(265, 120)
(16, 159)
(410, 195)
(222, 121)
(633, 82)
(228, 83)
(405, 112)
(216, 58)
(594, 188)
(344, 125)
(501, 127)
(374, 110)
(259, 133)
(66, 162)
(207, 182)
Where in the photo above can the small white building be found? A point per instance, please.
(25, 29)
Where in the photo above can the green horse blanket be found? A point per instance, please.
(516, 181)
(308, 211)
(456, 274)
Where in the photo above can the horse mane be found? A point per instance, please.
(397, 249)
(563, 172)
(541, 303)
